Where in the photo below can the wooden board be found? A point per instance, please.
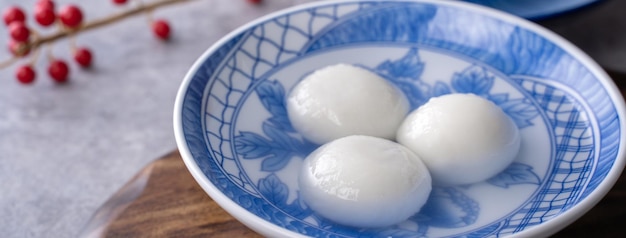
(163, 200)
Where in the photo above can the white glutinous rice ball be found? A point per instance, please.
(364, 181)
(462, 138)
(342, 100)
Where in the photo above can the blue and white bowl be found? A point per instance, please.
(236, 140)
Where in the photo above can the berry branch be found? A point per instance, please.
(142, 8)
(69, 20)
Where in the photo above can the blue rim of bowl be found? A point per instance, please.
(269, 229)
(539, 14)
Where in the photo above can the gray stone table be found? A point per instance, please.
(64, 149)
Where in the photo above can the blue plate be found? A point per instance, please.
(534, 9)
(233, 133)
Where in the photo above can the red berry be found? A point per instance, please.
(12, 14)
(119, 2)
(161, 29)
(25, 74)
(18, 31)
(18, 49)
(71, 16)
(255, 1)
(58, 70)
(49, 4)
(83, 56)
(44, 15)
